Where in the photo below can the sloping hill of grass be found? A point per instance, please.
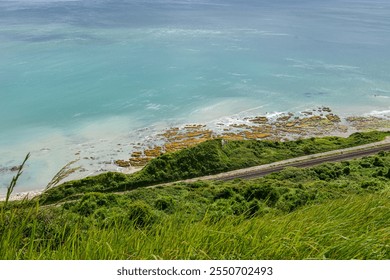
(355, 227)
(331, 211)
(207, 158)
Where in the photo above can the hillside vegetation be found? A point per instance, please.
(207, 158)
(331, 211)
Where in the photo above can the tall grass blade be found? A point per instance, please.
(14, 180)
(62, 174)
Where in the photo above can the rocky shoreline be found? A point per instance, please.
(276, 127)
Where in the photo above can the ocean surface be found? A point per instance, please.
(79, 79)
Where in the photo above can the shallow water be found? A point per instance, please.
(77, 78)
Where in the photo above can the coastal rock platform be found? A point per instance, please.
(275, 127)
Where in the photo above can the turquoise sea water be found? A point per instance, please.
(79, 77)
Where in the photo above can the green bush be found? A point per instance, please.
(164, 203)
(141, 214)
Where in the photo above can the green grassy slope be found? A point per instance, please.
(207, 158)
(355, 227)
(331, 211)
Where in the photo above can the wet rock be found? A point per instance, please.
(333, 118)
(15, 168)
(154, 152)
(136, 154)
(123, 163)
(259, 120)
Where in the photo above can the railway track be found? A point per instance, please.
(306, 163)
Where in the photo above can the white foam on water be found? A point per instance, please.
(380, 114)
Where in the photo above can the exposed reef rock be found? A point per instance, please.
(9, 169)
(286, 126)
(123, 163)
(333, 118)
(368, 123)
(259, 120)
